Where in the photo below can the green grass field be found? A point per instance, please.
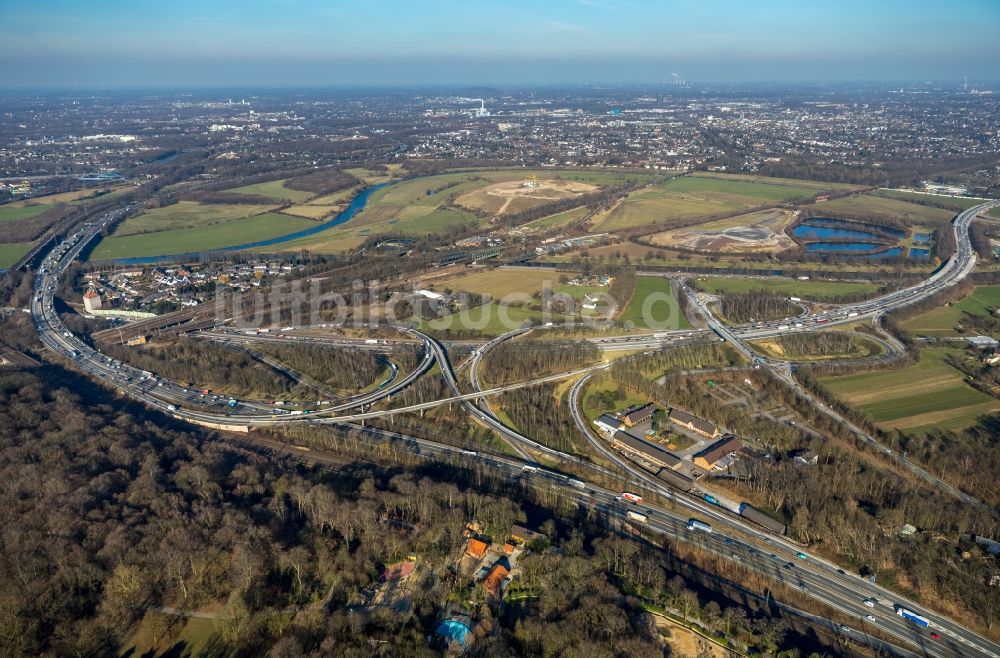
(488, 320)
(502, 282)
(186, 214)
(957, 203)
(814, 186)
(274, 189)
(995, 212)
(200, 238)
(942, 321)
(558, 219)
(929, 394)
(654, 306)
(649, 208)
(11, 252)
(742, 192)
(817, 290)
(870, 204)
(14, 213)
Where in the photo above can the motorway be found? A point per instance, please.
(760, 551)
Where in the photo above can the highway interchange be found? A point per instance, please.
(772, 557)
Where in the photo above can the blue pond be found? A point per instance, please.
(919, 253)
(835, 247)
(810, 232)
(921, 238)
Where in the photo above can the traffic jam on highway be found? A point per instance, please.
(720, 531)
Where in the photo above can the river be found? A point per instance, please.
(356, 205)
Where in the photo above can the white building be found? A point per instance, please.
(91, 301)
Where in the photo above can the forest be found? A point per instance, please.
(756, 306)
(114, 520)
(190, 362)
(519, 360)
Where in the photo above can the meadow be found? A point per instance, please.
(12, 213)
(664, 314)
(955, 202)
(186, 214)
(929, 394)
(870, 204)
(942, 321)
(815, 290)
(274, 189)
(11, 252)
(689, 197)
(200, 238)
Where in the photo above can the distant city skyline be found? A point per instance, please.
(273, 43)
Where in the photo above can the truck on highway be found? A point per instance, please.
(782, 327)
(371, 341)
(635, 516)
(576, 483)
(695, 524)
(852, 314)
(631, 497)
(909, 615)
(231, 403)
(171, 407)
(794, 299)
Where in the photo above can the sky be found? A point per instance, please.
(275, 43)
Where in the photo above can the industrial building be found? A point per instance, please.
(693, 423)
(710, 457)
(608, 424)
(641, 414)
(644, 450)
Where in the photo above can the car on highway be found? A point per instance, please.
(870, 617)
(801, 556)
(870, 602)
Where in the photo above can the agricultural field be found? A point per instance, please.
(871, 204)
(11, 252)
(958, 203)
(995, 212)
(200, 238)
(186, 214)
(654, 306)
(275, 190)
(929, 394)
(762, 231)
(813, 290)
(942, 322)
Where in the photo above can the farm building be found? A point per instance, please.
(713, 454)
(644, 450)
(693, 423)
